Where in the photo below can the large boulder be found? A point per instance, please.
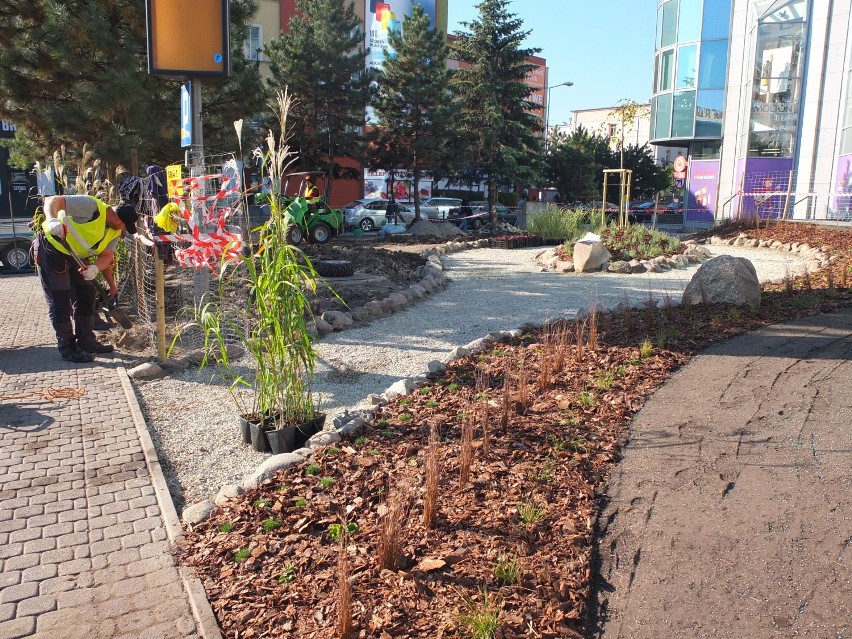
(724, 280)
(590, 256)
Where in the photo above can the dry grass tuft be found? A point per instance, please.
(433, 479)
(398, 505)
(593, 328)
(344, 601)
(466, 454)
(507, 399)
(581, 342)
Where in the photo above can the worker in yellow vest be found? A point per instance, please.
(91, 229)
(311, 192)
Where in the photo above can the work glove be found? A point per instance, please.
(90, 272)
(56, 228)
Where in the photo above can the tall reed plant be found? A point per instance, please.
(280, 279)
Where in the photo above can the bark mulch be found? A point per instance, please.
(524, 436)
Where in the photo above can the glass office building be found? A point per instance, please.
(759, 92)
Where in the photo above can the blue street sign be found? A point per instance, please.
(186, 114)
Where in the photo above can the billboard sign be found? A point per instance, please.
(384, 16)
(189, 38)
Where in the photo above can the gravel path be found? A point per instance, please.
(194, 422)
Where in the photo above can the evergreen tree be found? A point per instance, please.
(321, 60)
(74, 75)
(500, 122)
(413, 105)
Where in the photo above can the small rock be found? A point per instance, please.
(324, 438)
(401, 387)
(397, 300)
(436, 366)
(360, 314)
(457, 353)
(304, 452)
(636, 266)
(323, 327)
(178, 364)
(375, 308)
(231, 491)
(337, 320)
(149, 370)
(376, 400)
(199, 512)
(271, 466)
(619, 266)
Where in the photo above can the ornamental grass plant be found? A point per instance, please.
(279, 278)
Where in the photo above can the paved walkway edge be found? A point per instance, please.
(208, 628)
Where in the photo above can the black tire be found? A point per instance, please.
(294, 234)
(366, 224)
(16, 258)
(321, 233)
(334, 268)
(476, 223)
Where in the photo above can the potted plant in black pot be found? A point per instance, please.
(282, 413)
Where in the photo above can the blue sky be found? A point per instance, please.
(605, 47)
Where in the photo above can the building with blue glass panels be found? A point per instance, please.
(759, 92)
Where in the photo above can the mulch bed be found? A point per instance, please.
(514, 539)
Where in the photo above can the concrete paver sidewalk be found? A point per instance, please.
(731, 512)
(84, 550)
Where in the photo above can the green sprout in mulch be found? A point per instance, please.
(335, 531)
(507, 570)
(226, 527)
(241, 555)
(301, 502)
(481, 620)
(453, 387)
(432, 404)
(360, 441)
(313, 469)
(326, 482)
(270, 524)
(405, 417)
(425, 390)
(332, 450)
(263, 502)
(405, 401)
(383, 423)
(645, 349)
(530, 513)
(288, 575)
(586, 399)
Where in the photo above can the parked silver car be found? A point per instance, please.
(369, 213)
(438, 208)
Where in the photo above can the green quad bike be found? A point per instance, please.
(317, 221)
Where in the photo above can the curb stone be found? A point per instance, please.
(205, 620)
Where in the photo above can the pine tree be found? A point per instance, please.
(501, 123)
(413, 105)
(321, 60)
(74, 74)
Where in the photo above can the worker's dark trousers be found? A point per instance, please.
(68, 295)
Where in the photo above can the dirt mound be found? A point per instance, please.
(425, 227)
(395, 270)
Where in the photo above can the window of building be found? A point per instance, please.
(689, 20)
(776, 86)
(687, 63)
(683, 115)
(714, 65)
(709, 110)
(659, 27)
(717, 19)
(663, 122)
(706, 150)
(667, 70)
(846, 133)
(253, 47)
(669, 23)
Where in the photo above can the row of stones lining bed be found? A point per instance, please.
(350, 423)
(595, 257)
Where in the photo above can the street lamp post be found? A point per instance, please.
(547, 112)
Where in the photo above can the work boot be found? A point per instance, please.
(76, 355)
(67, 344)
(86, 340)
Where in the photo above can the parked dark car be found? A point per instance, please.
(479, 215)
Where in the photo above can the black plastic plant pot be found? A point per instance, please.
(305, 431)
(245, 429)
(282, 440)
(259, 440)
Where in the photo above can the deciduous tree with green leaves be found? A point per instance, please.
(501, 125)
(321, 60)
(75, 74)
(414, 109)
